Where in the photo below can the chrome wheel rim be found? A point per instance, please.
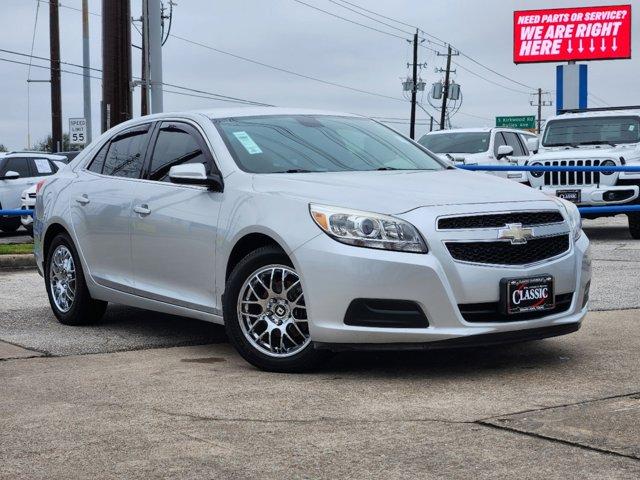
(272, 312)
(62, 278)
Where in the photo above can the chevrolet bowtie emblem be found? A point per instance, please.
(516, 233)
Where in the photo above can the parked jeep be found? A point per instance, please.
(592, 137)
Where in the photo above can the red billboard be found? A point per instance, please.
(564, 34)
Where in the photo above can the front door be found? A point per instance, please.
(175, 226)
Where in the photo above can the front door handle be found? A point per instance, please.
(142, 209)
(82, 199)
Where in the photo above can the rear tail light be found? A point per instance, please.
(39, 185)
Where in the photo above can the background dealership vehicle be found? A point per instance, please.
(592, 137)
(28, 202)
(19, 170)
(306, 232)
(483, 146)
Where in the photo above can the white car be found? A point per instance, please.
(306, 232)
(28, 202)
(597, 137)
(484, 146)
(18, 171)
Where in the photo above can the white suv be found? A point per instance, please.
(593, 137)
(19, 171)
(305, 232)
(484, 146)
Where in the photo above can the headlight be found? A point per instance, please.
(365, 229)
(572, 215)
(536, 174)
(608, 163)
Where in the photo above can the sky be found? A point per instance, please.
(296, 37)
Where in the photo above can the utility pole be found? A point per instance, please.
(116, 63)
(86, 64)
(56, 96)
(154, 38)
(144, 90)
(445, 92)
(540, 104)
(414, 89)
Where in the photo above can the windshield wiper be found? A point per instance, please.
(382, 169)
(572, 145)
(598, 142)
(295, 170)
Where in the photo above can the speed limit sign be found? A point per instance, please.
(77, 131)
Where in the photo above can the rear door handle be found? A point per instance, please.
(142, 209)
(82, 199)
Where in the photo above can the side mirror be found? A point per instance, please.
(533, 144)
(10, 175)
(195, 174)
(504, 151)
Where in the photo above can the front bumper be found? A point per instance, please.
(334, 274)
(598, 195)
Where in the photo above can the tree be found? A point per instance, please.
(46, 145)
(3, 148)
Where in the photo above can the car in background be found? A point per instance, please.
(28, 202)
(19, 171)
(483, 146)
(593, 137)
(305, 232)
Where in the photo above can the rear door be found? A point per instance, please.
(101, 206)
(175, 226)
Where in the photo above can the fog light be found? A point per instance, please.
(617, 195)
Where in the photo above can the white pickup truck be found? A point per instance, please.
(592, 137)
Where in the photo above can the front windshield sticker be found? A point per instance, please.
(632, 127)
(247, 142)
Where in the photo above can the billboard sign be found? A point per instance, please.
(565, 34)
(524, 122)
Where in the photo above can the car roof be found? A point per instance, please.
(602, 113)
(478, 130)
(35, 155)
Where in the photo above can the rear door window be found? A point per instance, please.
(514, 141)
(125, 156)
(42, 167)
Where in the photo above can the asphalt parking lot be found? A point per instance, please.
(145, 395)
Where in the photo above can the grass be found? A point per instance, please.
(16, 248)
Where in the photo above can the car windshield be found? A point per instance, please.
(457, 142)
(319, 143)
(592, 131)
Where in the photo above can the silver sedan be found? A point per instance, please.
(306, 232)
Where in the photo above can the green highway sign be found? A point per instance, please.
(524, 122)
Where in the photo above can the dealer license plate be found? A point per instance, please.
(522, 295)
(569, 195)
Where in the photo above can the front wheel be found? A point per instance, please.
(634, 224)
(66, 287)
(266, 316)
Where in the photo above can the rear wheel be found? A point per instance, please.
(266, 316)
(634, 224)
(10, 224)
(66, 287)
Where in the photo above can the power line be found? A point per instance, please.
(284, 70)
(69, 7)
(369, 17)
(349, 20)
(181, 87)
(489, 80)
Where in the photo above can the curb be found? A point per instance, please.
(27, 260)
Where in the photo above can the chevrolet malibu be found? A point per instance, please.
(306, 232)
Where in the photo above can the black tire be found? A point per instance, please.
(84, 310)
(10, 225)
(634, 225)
(29, 230)
(305, 360)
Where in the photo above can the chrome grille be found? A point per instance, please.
(571, 178)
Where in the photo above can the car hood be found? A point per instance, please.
(562, 153)
(394, 192)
